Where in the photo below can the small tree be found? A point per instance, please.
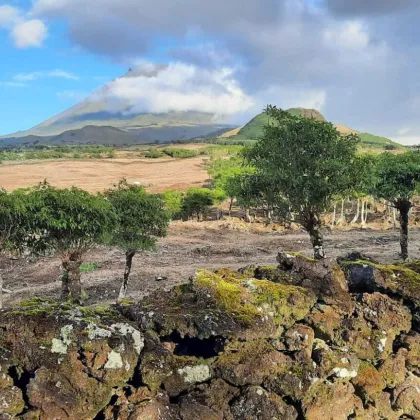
(68, 222)
(141, 219)
(308, 163)
(173, 202)
(197, 202)
(13, 225)
(397, 180)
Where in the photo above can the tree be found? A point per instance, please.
(141, 219)
(173, 202)
(68, 222)
(397, 179)
(362, 172)
(13, 225)
(196, 202)
(308, 163)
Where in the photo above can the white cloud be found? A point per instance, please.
(351, 35)
(407, 140)
(177, 87)
(404, 131)
(29, 33)
(8, 16)
(73, 95)
(24, 31)
(28, 77)
(13, 84)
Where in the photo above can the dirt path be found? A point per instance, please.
(97, 175)
(184, 251)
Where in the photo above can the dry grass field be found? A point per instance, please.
(98, 174)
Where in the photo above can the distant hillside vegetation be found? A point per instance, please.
(254, 129)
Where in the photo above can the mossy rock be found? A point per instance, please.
(224, 303)
(397, 279)
(250, 363)
(369, 382)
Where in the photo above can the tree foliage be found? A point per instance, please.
(306, 163)
(141, 217)
(67, 222)
(397, 179)
(197, 201)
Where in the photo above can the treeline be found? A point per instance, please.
(300, 169)
(58, 152)
(69, 222)
(212, 151)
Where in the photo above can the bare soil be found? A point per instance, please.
(95, 175)
(189, 247)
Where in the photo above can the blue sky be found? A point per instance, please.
(355, 61)
(22, 107)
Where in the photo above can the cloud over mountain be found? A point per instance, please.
(176, 87)
(357, 59)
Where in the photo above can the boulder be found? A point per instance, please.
(72, 362)
(223, 304)
(371, 331)
(324, 277)
(250, 363)
(255, 403)
(331, 401)
(411, 342)
(406, 397)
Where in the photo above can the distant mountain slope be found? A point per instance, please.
(111, 136)
(253, 130)
(102, 110)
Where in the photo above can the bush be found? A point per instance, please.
(173, 202)
(197, 202)
(180, 153)
(153, 153)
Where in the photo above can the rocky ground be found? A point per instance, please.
(189, 247)
(331, 340)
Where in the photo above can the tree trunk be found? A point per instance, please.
(313, 227)
(333, 216)
(71, 279)
(128, 262)
(356, 217)
(362, 214)
(366, 213)
(404, 209)
(230, 206)
(247, 215)
(394, 216)
(1, 290)
(65, 286)
(342, 218)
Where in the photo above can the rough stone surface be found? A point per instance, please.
(287, 342)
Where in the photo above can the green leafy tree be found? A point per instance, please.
(68, 222)
(141, 219)
(307, 163)
(173, 202)
(397, 179)
(13, 225)
(196, 202)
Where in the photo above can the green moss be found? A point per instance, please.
(300, 255)
(229, 294)
(397, 276)
(250, 299)
(369, 381)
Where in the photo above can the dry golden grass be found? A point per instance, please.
(345, 130)
(230, 133)
(96, 175)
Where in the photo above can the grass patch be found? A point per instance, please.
(90, 266)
